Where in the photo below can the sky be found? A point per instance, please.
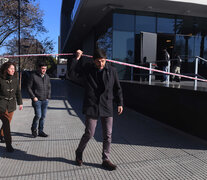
(51, 9)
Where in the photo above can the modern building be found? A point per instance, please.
(136, 29)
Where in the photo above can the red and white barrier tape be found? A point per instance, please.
(155, 70)
(35, 55)
(109, 60)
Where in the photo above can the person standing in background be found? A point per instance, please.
(39, 89)
(176, 67)
(164, 64)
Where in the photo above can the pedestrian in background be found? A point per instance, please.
(176, 65)
(145, 73)
(10, 94)
(101, 87)
(39, 89)
(165, 57)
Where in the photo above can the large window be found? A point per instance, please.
(185, 26)
(123, 50)
(188, 46)
(123, 42)
(145, 23)
(205, 48)
(197, 43)
(166, 24)
(123, 22)
(105, 42)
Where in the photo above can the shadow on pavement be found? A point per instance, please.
(23, 156)
(130, 128)
(22, 134)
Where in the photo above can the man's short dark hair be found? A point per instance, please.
(99, 53)
(42, 63)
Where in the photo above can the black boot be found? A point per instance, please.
(2, 140)
(9, 148)
(34, 132)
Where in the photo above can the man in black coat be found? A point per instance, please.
(101, 88)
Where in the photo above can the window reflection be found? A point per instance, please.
(76, 5)
(123, 50)
(197, 46)
(124, 22)
(185, 25)
(105, 42)
(205, 48)
(145, 23)
(185, 46)
(165, 25)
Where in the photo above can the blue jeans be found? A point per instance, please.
(40, 109)
(165, 68)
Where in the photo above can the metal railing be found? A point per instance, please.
(195, 75)
(197, 58)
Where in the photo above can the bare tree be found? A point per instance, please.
(30, 46)
(31, 19)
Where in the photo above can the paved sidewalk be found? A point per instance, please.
(142, 147)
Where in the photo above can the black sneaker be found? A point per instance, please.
(42, 134)
(34, 133)
(108, 165)
(9, 148)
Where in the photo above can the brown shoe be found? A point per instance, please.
(78, 158)
(108, 165)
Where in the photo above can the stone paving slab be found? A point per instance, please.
(142, 147)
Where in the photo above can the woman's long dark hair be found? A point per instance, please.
(5, 67)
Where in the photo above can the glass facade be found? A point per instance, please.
(123, 22)
(205, 48)
(75, 8)
(166, 24)
(123, 42)
(145, 23)
(105, 42)
(184, 35)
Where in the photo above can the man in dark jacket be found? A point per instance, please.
(176, 65)
(101, 87)
(39, 89)
(165, 57)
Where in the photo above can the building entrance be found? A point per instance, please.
(152, 44)
(165, 41)
(149, 46)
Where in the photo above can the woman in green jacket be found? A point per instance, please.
(10, 94)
